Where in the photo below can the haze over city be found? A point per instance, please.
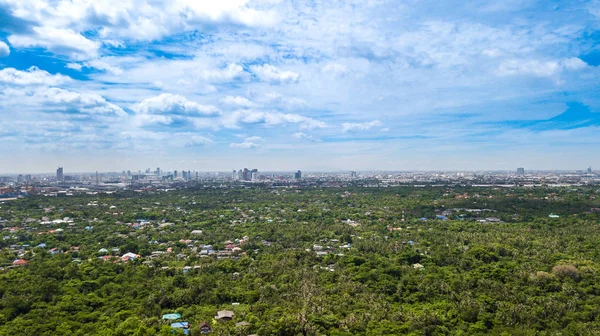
(286, 85)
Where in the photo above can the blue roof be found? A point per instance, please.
(183, 325)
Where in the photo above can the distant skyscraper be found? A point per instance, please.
(59, 174)
(20, 179)
(234, 175)
(521, 171)
(298, 175)
(189, 174)
(175, 174)
(353, 174)
(589, 170)
(158, 171)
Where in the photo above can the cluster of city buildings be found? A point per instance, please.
(19, 185)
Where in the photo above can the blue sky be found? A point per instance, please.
(311, 85)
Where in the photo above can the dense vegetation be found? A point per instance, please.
(519, 272)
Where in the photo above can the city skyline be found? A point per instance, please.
(287, 85)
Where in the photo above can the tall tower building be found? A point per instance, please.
(298, 175)
(60, 177)
(521, 171)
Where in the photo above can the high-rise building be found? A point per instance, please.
(254, 176)
(184, 174)
(589, 170)
(20, 179)
(234, 175)
(298, 175)
(59, 174)
(28, 177)
(189, 174)
(353, 175)
(520, 171)
(175, 174)
(158, 171)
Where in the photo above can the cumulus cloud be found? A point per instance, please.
(244, 145)
(236, 118)
(4, 49)
(284, 102)
(32, 76)
(248, 143)
(87, 103)
(228, 73)
(166, 104)
(238, 101)
(269, 73)
(57, 25)
(61, 41)
(97, 64)
(355, 127)
(304, 136)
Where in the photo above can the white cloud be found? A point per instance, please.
(236, 118)
(269, 73)
(335, 68)
(539, 68)
(354, 127)
(254, 139)
(74, 66)
(174, 104)
(244, 145)
(230, 72)
(281, 101)
(304, 136)
(87, 103)
(57, 25)
(97, 64)
(62, 41)
(32, 76)
(140, 138)
(237, 101)
(4, 49)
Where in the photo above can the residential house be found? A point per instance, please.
(204, 328)
(225, 315)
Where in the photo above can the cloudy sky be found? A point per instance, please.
(311, 84)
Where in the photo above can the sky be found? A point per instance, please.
(316, 85)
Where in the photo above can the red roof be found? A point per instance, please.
(20, 262)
